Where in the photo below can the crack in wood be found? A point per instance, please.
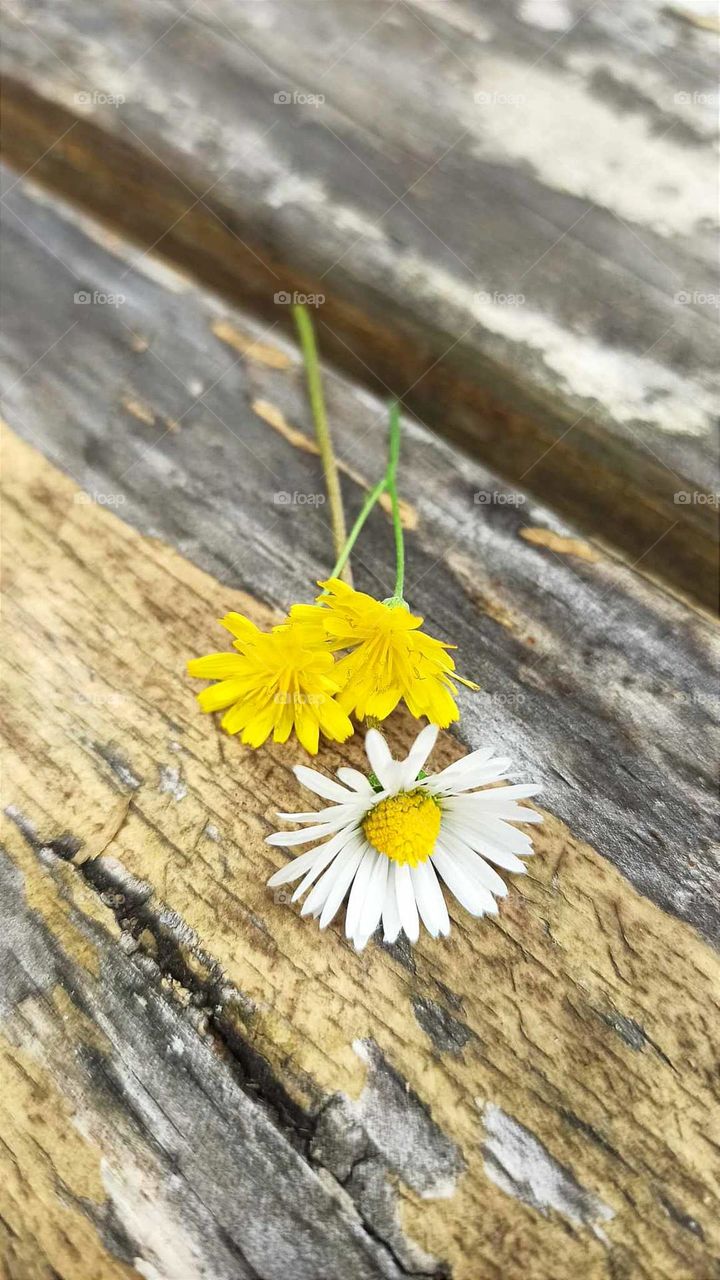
(167, 952)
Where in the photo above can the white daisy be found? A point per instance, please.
(387, 838)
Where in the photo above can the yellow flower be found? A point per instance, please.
(274, 683)
(390, 658)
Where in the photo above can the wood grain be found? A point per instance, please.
(173, 1030)
(597, 683)
(197, 1084)
(460, 161)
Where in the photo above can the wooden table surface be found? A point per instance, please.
(508, 213)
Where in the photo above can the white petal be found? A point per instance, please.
(508, 812)
(339, 873)
(407, 907)
(473, 806)
(341, 883)
(485, 847)
(306, 817)
(479, 756)
(284, 839)
(327, 859)
(381, 762)
(322, 786)
(297, 868)
(503, 836)
(472, 864)
(518, 791)
(465, 779)
(465, 764)
(359, 889)
(481, 829)
(329, 814)
(430, 900)
(501, 858)
(356, 780)
(470, 894)
(493, 771)
(418, 754)
(391, 916)
(374, 900)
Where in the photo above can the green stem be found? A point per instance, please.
(322, 434)
(391, 480)
(367, 507)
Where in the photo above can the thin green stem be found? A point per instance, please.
(367, 507)
(391, 480)
(324, 440)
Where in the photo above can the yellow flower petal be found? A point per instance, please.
(276, 682)
(307, 729)
(388, 659)
(215, 666)
(241, 627)
(218, 696)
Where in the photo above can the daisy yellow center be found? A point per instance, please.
(404, 827)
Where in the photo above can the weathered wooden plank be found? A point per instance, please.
(597, 683)
(133, 1142)
(419, 211)
(559, 1061)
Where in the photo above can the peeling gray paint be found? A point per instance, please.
(519, 1163)
(387, 1133)
(171, 782)
(402, 1129)
(118, 764)
(447, 1033)
(376, 1199)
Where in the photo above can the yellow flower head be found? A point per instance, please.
(274, 683)
(389, 657)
